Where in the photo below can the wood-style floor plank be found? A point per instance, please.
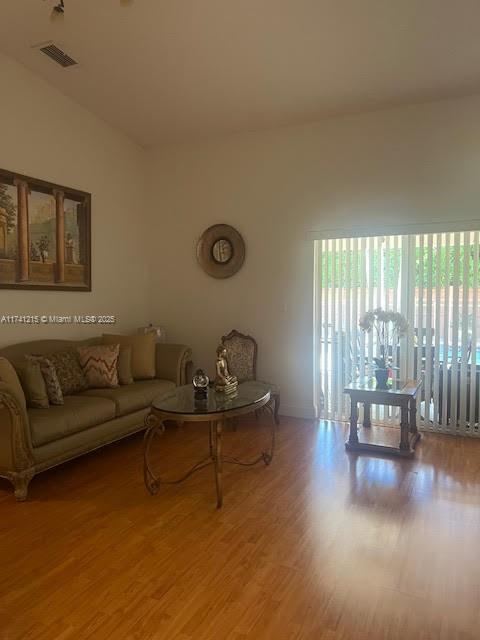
(321, 545)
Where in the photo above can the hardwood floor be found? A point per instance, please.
(321, 545)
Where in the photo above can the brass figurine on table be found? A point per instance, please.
(224, 382)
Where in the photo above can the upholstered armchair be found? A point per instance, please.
(242, 363)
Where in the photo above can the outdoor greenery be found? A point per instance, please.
(6, 203)
(348, 269)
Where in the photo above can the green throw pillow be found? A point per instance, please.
(33, 384)
(124, 366)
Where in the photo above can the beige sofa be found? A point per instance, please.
(32, 440)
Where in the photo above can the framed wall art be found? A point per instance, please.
(44, 235)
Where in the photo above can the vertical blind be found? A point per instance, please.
(433, 279)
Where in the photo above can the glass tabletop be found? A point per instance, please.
(182, 399)
(401, 387)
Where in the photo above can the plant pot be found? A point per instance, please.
(381, 376)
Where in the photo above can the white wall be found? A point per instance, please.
(412, 164)
(45, 135)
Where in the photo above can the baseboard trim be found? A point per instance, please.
(291, 411)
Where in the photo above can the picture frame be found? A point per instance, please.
(45, 235)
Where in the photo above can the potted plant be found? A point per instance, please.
(389, 327)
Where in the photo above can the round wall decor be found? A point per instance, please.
(221, 251)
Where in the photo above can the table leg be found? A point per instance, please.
(404, 427)
(353, 437)
(211, 439)
(218, 462)
(268, 456)
(413, 416)
(366, 415)
(276, 403)
(153, 426)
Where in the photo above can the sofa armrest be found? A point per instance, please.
(15, 443)
(173, 362)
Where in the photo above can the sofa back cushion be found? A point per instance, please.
(10, 377)
(99, 364)
(143, 352)
(17, 352)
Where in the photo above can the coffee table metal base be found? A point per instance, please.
(154, 423)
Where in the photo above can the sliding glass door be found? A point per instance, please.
(431, 278)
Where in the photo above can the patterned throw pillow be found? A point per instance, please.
(99, 364)
(54, 391)
(69, 371)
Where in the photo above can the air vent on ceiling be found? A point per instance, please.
(57, 55)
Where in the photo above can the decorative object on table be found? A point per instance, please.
(389, 327)
(44, 235)
(160, 332)
(224, 382)
(200, 383)
(221, 251)
(242, 353)
(200, 402)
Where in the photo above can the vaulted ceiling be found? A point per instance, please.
(175, 70)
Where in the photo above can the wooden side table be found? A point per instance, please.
(401, 394)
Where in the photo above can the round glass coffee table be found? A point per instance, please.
(181, 405)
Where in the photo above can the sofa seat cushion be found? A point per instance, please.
(132, 397)
(78, 413)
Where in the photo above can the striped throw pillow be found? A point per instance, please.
(99, 364)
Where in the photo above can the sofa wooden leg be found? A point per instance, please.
(20, 483)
